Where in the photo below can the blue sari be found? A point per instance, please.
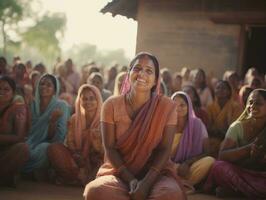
(38, 140)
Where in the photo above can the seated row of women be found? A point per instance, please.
(148, 147)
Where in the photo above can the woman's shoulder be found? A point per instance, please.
(234, 130)
(236, 124)
(115, 100)
(62, 104)
(166, 100)
(15, 109)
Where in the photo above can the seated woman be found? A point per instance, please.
(118, 83)
(242, 168)
(13, 122)
(196, 103)
(190, 146)
(49, 117)
(96, 79)
(138, 128)
(199, 81)
(224, 110)
(78, 161)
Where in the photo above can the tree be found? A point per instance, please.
(45, 35)
(11, 11)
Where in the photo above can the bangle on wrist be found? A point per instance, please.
(155, 169)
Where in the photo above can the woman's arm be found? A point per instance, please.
(161, 156)
(19, 131)
(230, 152)
(108, 134)
(59, 125)
(70, 140)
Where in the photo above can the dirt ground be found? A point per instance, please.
(28, 190)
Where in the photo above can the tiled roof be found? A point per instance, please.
(127, 8)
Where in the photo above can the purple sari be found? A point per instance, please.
(191, 143)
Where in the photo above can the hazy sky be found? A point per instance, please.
(85, 24)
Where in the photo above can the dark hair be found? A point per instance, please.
(3, 59)
(10, 82)
(96, 74)
(196, 102)
(20, 65)
(204, 84)
(52, 78)
(262, 92)
(227, 84)
(154, 60)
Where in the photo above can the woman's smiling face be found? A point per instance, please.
(142, 74)
(6, 92)
(46, 87)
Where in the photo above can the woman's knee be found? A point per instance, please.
(92, 191)
(55, 148)
(22, 150)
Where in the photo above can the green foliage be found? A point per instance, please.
(45, 35)
(10, 11)
(41, 41)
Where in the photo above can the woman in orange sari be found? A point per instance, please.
(14, 152)
(224, 110)
(78, 161)
(138, 128)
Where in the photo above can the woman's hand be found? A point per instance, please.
(183, 169)
(56, 114)
(140, 192)
(256, 150)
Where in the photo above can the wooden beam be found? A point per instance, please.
(239, 18)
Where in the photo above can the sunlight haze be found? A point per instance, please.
(86, 24)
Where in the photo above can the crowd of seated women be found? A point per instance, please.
(141, 134)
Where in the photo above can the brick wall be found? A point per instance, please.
(186, 38)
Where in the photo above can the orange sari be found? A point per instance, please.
(221, 118)
(136, 141)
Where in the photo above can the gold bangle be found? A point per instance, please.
(155, 169)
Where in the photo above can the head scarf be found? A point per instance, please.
(191, 143)
(56, 83)
(80, 120)
(40, 121)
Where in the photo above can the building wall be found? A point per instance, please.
(186, 37)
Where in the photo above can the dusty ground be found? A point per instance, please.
(27, 190)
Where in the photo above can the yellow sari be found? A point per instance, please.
(221, 118)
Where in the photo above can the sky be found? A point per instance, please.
(85, 24)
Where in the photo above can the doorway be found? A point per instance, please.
(255, 55)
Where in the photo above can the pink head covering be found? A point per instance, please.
(191, 143)
(126, 83)
(80, 121)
